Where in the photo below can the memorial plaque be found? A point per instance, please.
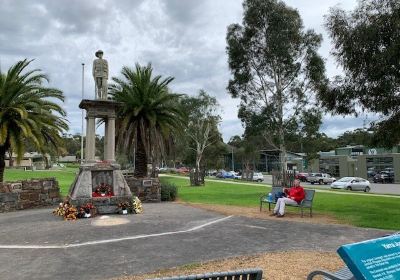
(147, 183)
(377, 259)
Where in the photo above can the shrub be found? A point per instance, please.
(169, 191)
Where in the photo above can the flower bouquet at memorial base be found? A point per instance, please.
(124, 207)
(103, 190)
(136, 205)
(87, 210)
(66, 210)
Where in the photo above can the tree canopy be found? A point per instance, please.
(149, 115)
(275, 69)
(202, 126)
(367, 46)
(28, 112)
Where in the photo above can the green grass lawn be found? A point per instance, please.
(358, 210)
(64, 176)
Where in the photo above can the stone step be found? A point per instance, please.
(107, 209)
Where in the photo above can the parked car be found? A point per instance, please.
(163, 169)
(371, 172)
(225, 175)
(237, 175)
(302, 176)
(352, 184)
(183, 170)
(384, 177)
(320, 178)
(258, 177)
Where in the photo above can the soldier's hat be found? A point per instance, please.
(98, 52)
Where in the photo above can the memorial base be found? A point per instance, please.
(92, 179)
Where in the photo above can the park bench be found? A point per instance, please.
(342, 274)
(305, 203)
(247, 274)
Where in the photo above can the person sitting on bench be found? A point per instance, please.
(294, 196)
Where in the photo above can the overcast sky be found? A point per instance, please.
(181, 38)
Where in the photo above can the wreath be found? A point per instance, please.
(103, 190)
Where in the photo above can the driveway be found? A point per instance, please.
(37, 245)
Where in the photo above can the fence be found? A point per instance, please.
(280, 179)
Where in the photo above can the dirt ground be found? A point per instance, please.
(277, 266)
(290, 265)
(292, 214)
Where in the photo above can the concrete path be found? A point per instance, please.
(35, 244)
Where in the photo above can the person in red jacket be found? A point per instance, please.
(294, 196)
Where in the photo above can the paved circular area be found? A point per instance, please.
(109, 221)
(37, 245)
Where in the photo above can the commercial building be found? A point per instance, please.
(358, 161)
(30, 161)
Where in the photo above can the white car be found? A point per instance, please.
(258, 177)
(352, 184)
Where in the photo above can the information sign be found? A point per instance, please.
(377, 259)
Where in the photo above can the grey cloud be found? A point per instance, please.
(184, 12)
(333, 126)
(182, 38)
(76, 16)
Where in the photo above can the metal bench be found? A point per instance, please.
(247, 274)
(305, 203)
(342, 274)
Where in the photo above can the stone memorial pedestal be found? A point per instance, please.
(101, 183)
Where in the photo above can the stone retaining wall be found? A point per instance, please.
(147, 190)
(29, 194)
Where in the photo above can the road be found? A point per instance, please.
(375, 188)
(38, 245)
(318, 188)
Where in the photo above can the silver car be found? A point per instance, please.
(352, 184)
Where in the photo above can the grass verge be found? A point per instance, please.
(65, 176)
(358, 210)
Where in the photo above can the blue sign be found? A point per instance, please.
(377, 259)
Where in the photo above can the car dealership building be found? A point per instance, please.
(359, 161)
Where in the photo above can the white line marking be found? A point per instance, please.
(111, 240)
(254, 227)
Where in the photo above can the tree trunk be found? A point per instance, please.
(197, 171)
(140, 158)
(2, 162)
(10, 159)
(282, 148)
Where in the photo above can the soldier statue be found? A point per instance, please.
(100, 75)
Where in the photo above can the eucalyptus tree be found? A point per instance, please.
(28, 112)
(275, 69)
(202, 124)
(366, 44)
(149, 115)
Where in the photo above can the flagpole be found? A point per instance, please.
(83, 90)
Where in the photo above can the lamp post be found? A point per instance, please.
(266, 163)
(233, 162)
(83, 89)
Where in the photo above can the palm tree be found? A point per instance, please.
(148, 116)
(27, 112)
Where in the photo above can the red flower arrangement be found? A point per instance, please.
(103, 190)
(87, 207)
(87, 210)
